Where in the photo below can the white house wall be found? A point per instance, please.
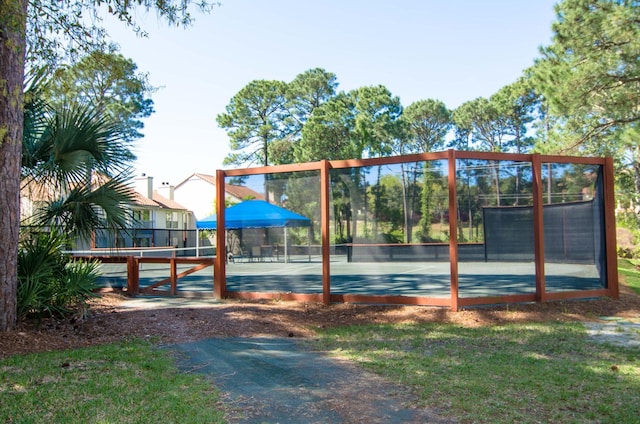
(196, 195)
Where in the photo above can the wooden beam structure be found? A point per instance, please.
(448, 161)
(452, 156)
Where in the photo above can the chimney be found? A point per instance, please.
(166, 190)
(144, 185)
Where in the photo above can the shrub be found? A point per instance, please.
(629, 252)
(50, 281)
(627, 242)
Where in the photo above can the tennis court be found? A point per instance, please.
(450, 228)
(412, 279)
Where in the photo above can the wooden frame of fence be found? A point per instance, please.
(455, 302)
(133, 271)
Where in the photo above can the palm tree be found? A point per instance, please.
(76, 157)
(80, 157)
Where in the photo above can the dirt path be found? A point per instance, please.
(276, 380)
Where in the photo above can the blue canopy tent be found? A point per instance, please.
(256, 214)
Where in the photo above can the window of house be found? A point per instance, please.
(172, 220)
(142, 215)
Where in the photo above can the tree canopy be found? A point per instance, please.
(60, 30)
(254, 118)
(427, 122)
(590, 74)
(589, 81)
(361, 123)
(110, 83)
(264, 120)
(306, 92)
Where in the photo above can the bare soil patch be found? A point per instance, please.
(110, 320)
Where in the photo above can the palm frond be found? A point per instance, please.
(85, 209)
(36, 115)
(66, 145)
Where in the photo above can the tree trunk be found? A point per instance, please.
(12, 53)
(412, 203)
(405, 206)
(496, 168)
(426, 209)
(635, 203)
(376, 204)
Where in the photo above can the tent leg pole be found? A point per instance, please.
(286, 253)
(309, 242)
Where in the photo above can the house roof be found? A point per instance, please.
(158, 201)
(140, 200)
(44, 191)
(39, 192)
(241, 192)
(166, 203)
(211, 179)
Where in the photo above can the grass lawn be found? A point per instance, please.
(630, 274)
(525, 373)
(531, 373)
(120, 383)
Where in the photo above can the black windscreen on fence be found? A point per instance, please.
(508, 233)
(573, 232)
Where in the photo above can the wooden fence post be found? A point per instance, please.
(133, 276)
(174, 276)
(453, 230)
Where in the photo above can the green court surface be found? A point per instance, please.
(304, 275)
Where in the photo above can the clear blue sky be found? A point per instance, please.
(451, 50)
